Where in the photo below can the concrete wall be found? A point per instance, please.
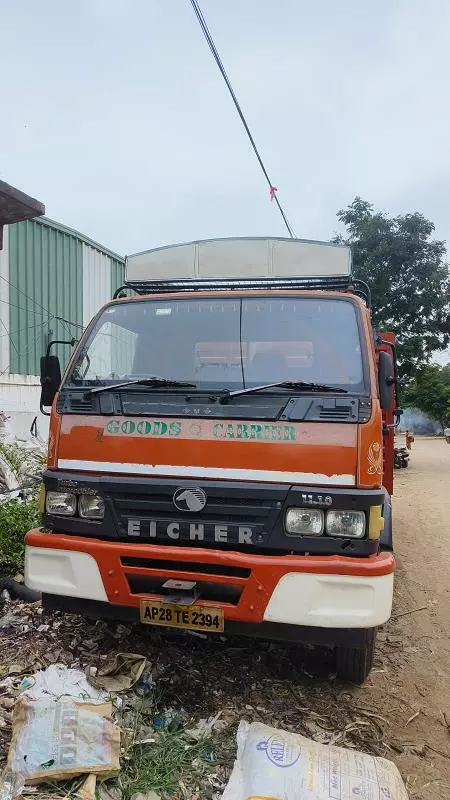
(19, 400)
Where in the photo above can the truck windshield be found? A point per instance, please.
(228, 343)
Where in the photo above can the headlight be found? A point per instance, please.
(346, 523)
(91, 506)
(63, 504)
(304, 522)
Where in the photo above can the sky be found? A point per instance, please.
(115, 116)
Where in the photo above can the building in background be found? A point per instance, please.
(52, 281)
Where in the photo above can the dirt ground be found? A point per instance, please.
(402, 712)
(416, 647)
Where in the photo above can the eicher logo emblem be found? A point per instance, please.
(189, 499)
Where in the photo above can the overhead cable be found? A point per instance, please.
(212, 47)
(35, 303)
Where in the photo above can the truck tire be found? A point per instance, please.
(353, 664)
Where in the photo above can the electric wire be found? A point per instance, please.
(35, 302)
(27, 349)
(214, 51)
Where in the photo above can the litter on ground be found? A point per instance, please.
(59, 681)
(58, 739)
(278, 765)
(120, 674)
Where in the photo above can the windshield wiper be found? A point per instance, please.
(154, 382)
(296, 386)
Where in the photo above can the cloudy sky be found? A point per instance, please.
(113, 113)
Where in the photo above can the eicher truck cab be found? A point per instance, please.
(220, 454)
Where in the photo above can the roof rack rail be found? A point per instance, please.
(121, 291)
(344, 283)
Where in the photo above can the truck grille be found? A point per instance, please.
(186, 566)
(256, 510)
(222, 583)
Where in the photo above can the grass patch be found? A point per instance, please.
(173, 760)
(161, 766)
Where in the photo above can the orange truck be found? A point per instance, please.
(220, 453)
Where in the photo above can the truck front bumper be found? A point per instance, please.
(328, 592)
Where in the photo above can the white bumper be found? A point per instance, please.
(331, 601)
(65, 572)
(299, 598)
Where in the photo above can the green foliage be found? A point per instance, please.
(430, 391)
(16, 518)
(408, 276)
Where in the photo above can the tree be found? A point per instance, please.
(430, 391)
(408, 276)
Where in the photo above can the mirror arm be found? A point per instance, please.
(42, 410)
(72, 342)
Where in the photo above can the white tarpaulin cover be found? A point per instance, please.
(239, 258)
(277, 765)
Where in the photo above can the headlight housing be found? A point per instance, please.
(304, 522)
(61, 504)
(351, 524)
(91, 506)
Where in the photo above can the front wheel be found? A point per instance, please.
(353, 664)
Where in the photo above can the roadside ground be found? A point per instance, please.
(402, 712)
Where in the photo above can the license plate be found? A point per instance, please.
(194, 618)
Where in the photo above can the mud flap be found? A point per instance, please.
(386, 542)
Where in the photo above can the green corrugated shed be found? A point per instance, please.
(117, 274)
(46, 289)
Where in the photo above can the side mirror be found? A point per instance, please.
(386, 380)
(50, 379)
(51, 374)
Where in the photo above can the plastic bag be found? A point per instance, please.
(60, 681)
(56, 740)
(120, 674)
(277, 765)
(11, 784)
